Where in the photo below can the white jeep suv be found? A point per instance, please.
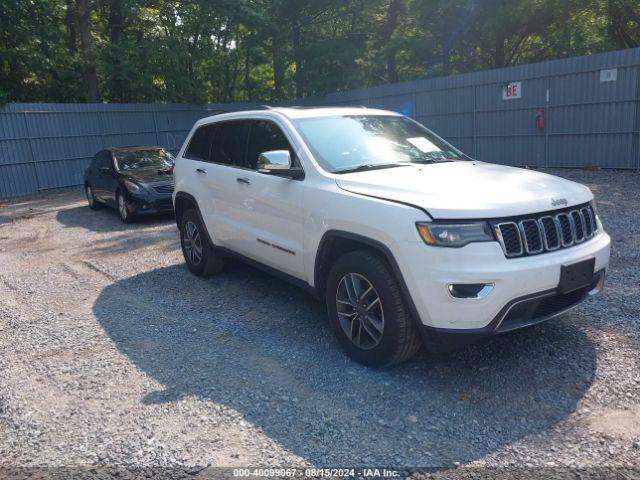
(406, 239)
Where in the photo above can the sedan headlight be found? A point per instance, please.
(131, 186)
(454, 234)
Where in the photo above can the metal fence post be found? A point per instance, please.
(414, 109)
(155, 126)
(33, 162)
(547, 120)
(102, 127)
(474, 127)
(636, 120)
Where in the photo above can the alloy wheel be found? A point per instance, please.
(192, 243)
(360, 311)
(122, 207)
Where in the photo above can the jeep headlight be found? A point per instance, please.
(596, 217)
(132, 187)
(454, 234)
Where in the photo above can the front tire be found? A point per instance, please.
(198, 251)
(367, 311)
(125, 215)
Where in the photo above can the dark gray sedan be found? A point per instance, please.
(134, 180)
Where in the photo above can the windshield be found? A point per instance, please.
(139, 159)
(346, 143)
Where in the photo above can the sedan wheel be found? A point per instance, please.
(125, 215)
(91, 199)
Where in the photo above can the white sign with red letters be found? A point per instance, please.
(512, 90)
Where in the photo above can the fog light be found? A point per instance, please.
(599, 285)
(474, 291)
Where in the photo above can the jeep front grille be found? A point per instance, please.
(533, 234)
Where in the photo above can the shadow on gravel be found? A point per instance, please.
(255, 344)
(105, 220)
(124, 238)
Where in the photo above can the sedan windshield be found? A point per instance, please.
(139, 159)
(350, 143)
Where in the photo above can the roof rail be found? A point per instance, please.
(309, 107)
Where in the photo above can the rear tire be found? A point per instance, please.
(91, 198)
(199, 253)
(367, 311)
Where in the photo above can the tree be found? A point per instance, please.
(623, 23)
(84, 9)
(269, 50)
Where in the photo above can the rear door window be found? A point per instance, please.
(229, 142)
(95, 161)
(200, 145)
(103, 159)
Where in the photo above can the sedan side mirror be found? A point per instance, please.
(104, 170)
(278, 162)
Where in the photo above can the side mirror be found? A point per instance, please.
(278, 162)
(104, 170)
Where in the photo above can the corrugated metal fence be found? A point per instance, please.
(589, 106)
(47, 146)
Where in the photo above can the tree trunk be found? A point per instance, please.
(226, 73)
(618, 22)
(71, 21)
(115, 24)
(446, 60)
(231, 76)
(248, 87)
(84, 27)
(234, 79)
(499, 56)
(115, 27)
(277, 54)
(299, 60)
(393, 13)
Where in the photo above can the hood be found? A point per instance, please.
(464, 190)
(148, 176)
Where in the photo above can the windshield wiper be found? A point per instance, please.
(425, 161)
(372, 166)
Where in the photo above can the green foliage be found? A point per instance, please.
(203, 51)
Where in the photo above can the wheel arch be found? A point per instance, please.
(335, 243)
(183, 202)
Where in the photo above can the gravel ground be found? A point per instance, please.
(115, 360)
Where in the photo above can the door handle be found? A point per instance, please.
(243, 180)
(201, 171)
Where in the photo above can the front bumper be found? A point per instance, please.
(521, 312)
(149, 204)
(428, 270)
